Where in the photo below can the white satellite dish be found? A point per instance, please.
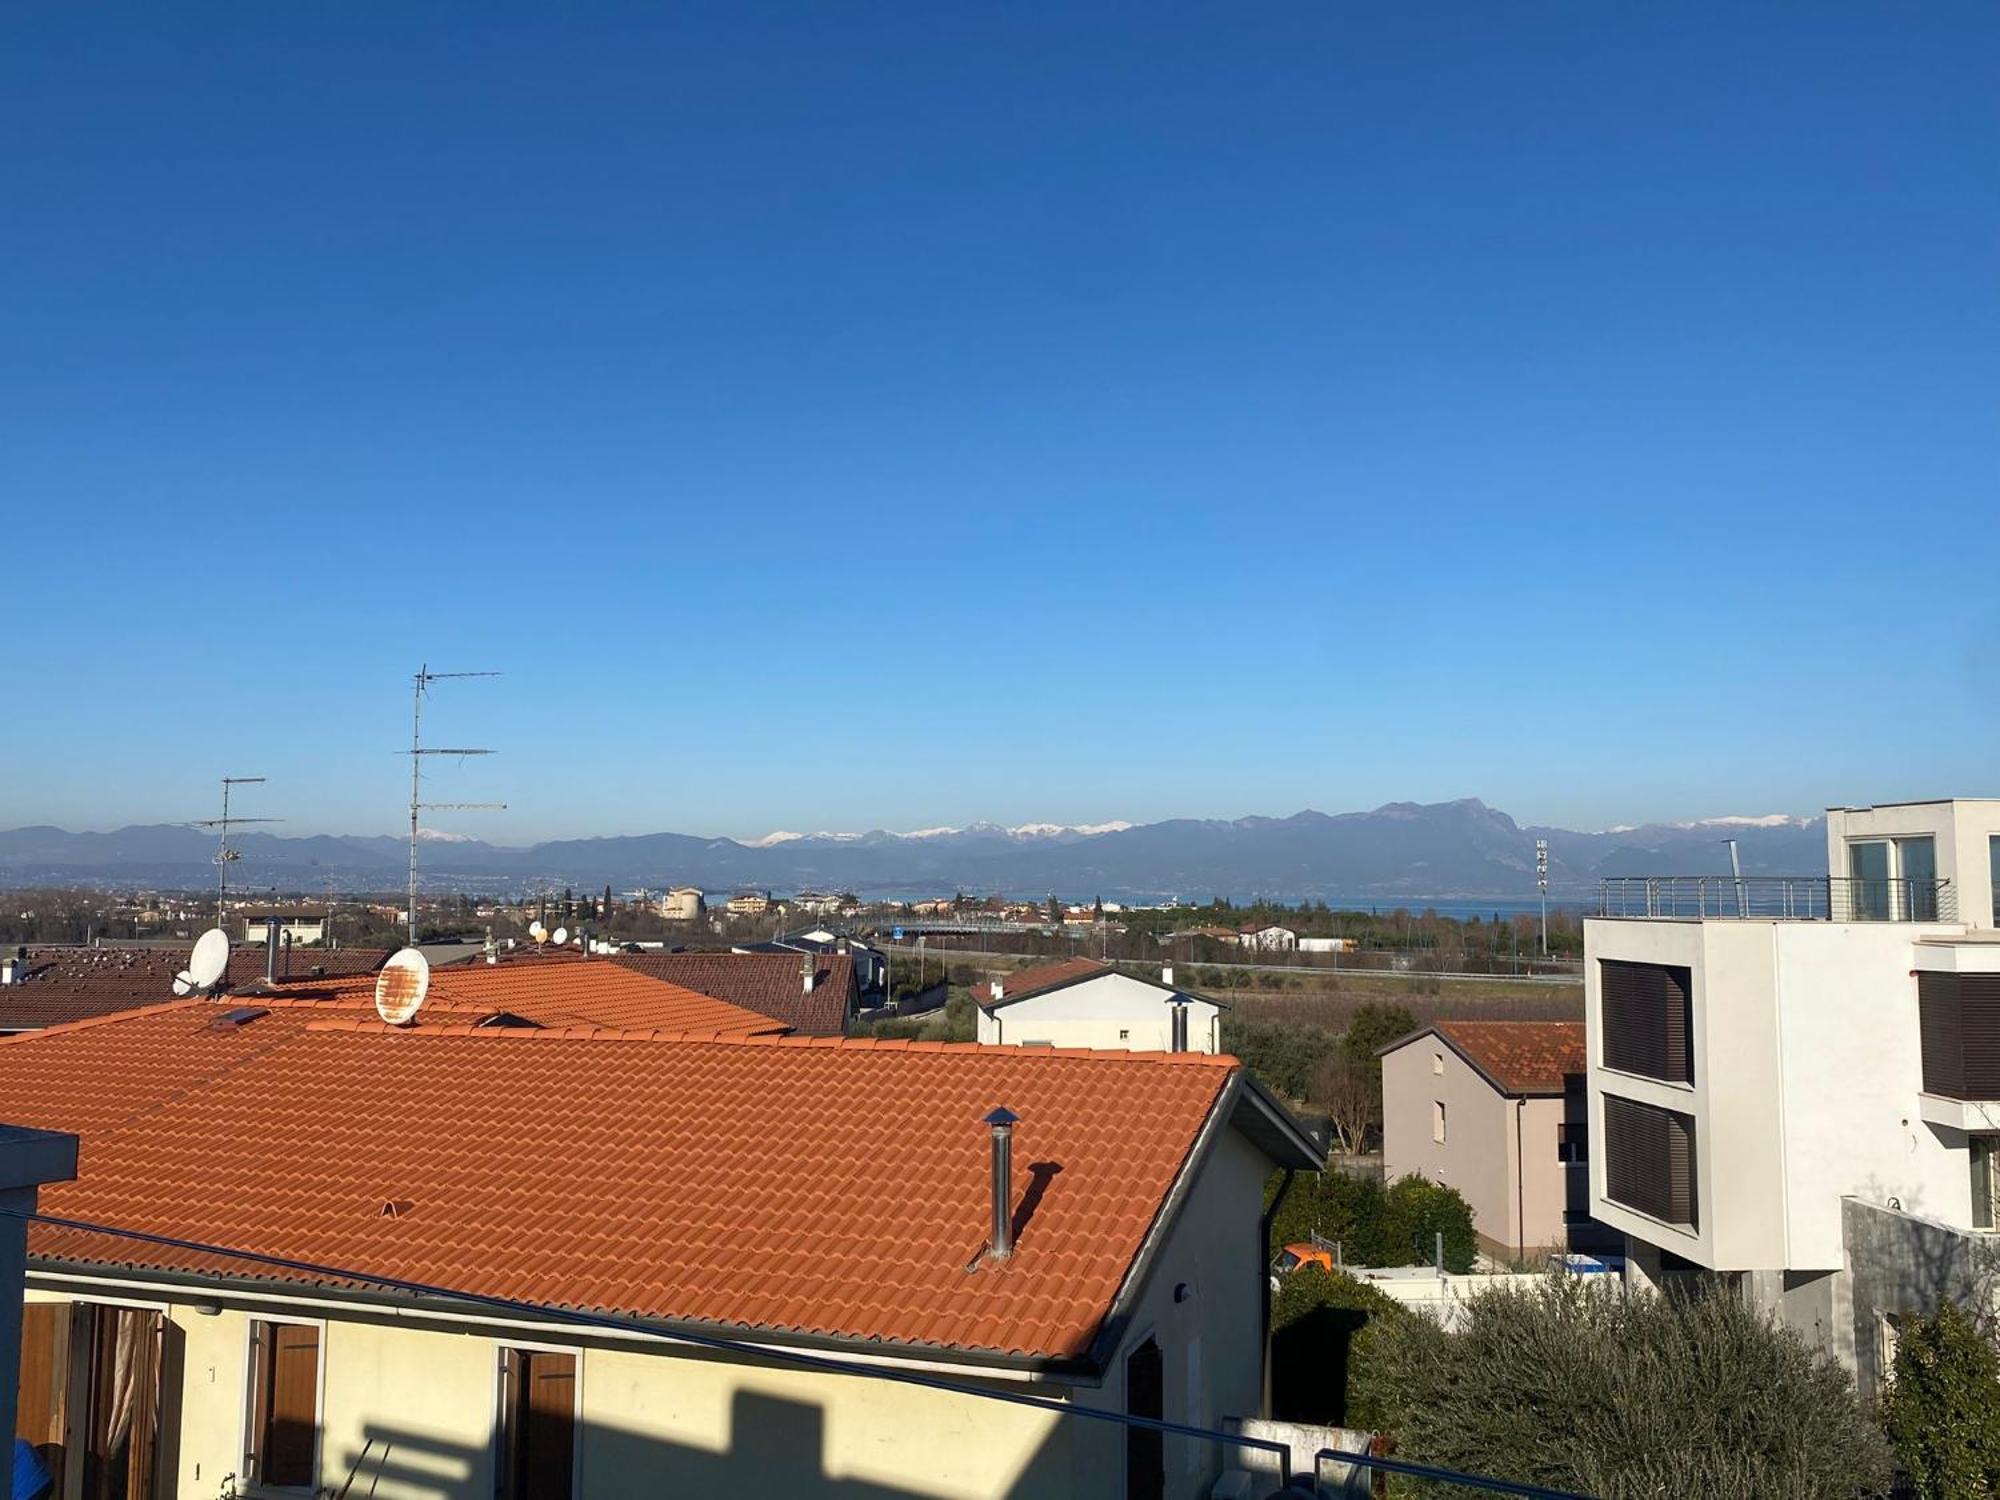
(559, 936)
(537, 931)
(206, 964)
(401, 986)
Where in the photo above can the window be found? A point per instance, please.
(284, 1405)
(1983, 1153)
(1437, 1062)
(1124, 1035)
(1993, 872)
(1437, 1120)
(1648, 1016)
(1916, 870)
(1868, 869)
(537, 1424)
(1572, 1142)
(1649, 1162)
(1958, 1034)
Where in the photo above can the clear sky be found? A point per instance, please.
(849, 415)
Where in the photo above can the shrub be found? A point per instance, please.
(1376, 1226)
(1942, 1411)
(1415, 1211)
(1326, 1331)
(1281, 1056)
(1577, 1386)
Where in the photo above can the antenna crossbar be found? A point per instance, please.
(418, 750)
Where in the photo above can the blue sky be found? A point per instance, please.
(846, 416)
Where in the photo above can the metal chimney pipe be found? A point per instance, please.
(1000, 1241)
(271, 949)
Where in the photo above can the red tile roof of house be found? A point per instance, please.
(1033, 981)
(770, 983)
(591, 992)
(62, 984)
(791, 1185)
(1521, 1057)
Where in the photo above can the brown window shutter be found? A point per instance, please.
(1647, 1015)
(41, 1416)
(284, 1421)
(1649, 1160)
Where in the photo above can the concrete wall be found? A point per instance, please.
(408, 1404)
(1903, 1265)
(1095, 1012)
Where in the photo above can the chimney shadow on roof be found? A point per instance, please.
(1040, 1175)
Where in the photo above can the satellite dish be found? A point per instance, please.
(401, 986)
(559, 936)
(206, 965)
(537, 931)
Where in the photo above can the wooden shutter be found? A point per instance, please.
(1958, 1030)
(1649, 1160)
(538, 1424)
(1647, 1012)
(284, 1423)
(42, 1414)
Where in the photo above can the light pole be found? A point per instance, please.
(1542, 885)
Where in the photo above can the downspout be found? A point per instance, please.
(1264, 1287)
(1520, 1189)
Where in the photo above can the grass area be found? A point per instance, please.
(1332, 1009)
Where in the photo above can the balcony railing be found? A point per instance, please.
(1777, 898)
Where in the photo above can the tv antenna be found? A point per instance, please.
(418, 750)
(226, 854)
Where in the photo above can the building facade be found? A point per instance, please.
(1790, 1080)
(684, 903)
(1495, 1109)
(1085, 1003)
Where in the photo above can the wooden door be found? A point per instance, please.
(539, 1425)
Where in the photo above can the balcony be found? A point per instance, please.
(1776, 898)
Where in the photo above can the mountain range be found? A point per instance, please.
(1403, 851)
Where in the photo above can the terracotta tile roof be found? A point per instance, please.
(769, 983)
(1522, 1057)
(593, 992)
(71, 984)
(802, 1185)
(1047, 977)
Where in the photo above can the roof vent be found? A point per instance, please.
(1000, 1240)
(808, 974)
(396, 1208)
(242, 1015)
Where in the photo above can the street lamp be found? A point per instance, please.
(1542, 885)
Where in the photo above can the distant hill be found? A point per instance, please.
(1403, 851)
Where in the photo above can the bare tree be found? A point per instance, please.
(1351, 1097)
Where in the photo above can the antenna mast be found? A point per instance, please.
(225, 855)
(424, 678)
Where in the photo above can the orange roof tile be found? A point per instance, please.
(1047, 976)
(1521, 1057)
(793, 1185)
(769, 983)
(61, 984)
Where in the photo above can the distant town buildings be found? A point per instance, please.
(1271, 939)
(1794, 1081)
(297, 928)
(684, 903)
(749, 904)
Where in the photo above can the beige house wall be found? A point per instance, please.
(409, 1404)
(1477, 1154)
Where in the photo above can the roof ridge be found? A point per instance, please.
(589, 1032)
(179, 1003)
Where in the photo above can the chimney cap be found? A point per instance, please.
(1003, 1117)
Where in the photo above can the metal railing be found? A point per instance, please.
(1381, 1464)
(1781, 898)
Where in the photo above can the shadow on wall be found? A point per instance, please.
(777, 1447)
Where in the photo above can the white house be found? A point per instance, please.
(1794, 1081)
(1083, 1003)
(684, 903)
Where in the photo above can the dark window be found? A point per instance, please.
(1572, 1142)
(1649, 1162)
(1958, 1030)
(1145, 1447)
(1648, 1019)
(537, 1424)
(284, 1404)
(1982, 1155)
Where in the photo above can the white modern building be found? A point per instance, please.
(684, 903)
(1795, 1080)
(1083, 1003)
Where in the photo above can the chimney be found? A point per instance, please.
(271, 949)
(10, 971)
(1167, 975)
(808, 974)
(998, 992)
(1000, 1242)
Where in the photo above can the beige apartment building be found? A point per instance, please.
(1495, 1110)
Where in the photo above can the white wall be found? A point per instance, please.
(1963, 828)
(1095, 1012)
